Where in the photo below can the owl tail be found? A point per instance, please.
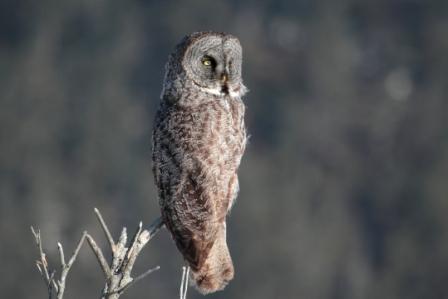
(217, 269)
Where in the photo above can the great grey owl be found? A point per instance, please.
(198, 140)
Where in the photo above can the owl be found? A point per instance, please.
(198, 140)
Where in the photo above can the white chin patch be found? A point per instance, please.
(214, 91)
(217, 91)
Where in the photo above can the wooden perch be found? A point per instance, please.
(117, 273)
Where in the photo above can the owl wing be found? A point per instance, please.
(186, 204)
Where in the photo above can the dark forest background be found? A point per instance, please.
(344, 190)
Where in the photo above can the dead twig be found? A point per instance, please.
(117, 273)
(55, 286)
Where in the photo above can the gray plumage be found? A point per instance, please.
(198, 140)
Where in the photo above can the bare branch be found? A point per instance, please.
(117, 272)
(138, 278)
(104, 227)
(144, 274)
(139, 241)
(61, 253)
(53, 285)
(99, 256)
(124, 255)
(134, 239)
(155, 227)
(42, 264)
(75, 253)
(42, 261)
(65, 268)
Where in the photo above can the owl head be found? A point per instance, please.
(209, 62)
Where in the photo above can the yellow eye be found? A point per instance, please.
(206, 61)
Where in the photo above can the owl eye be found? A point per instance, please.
(207, 61)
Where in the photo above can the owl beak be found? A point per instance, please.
(224, 78)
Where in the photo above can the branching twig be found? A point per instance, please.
(140, 277)
(99, 256)
(55, 286)
(117, 272)
(66, 267)
(104, 227)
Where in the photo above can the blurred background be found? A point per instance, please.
(344, 190)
